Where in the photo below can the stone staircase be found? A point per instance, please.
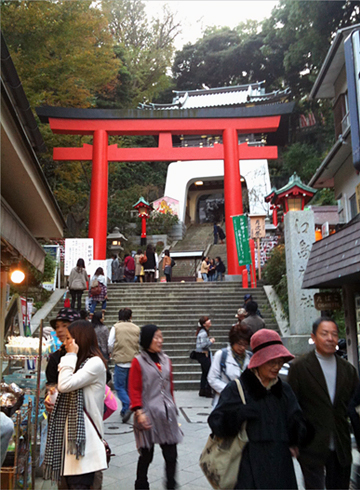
(197, 237)
(176, 308)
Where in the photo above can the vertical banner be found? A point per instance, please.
(240, 224)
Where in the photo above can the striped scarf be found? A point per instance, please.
(239, 359)
(70, 407)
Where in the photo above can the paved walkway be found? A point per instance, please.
(121, 474)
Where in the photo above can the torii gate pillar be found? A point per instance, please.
(99, 193)
(232, 191)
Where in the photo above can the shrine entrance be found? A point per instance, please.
(162, 124)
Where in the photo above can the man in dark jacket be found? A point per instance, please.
(324, 385)
(253, 320)
(60, 325)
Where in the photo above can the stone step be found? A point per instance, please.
(186, 368)
(187, 375)
(187, 384)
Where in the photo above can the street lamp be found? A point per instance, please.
(17, 276)
(144, 209)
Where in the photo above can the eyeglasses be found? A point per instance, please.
(241, 343)
(276, 362)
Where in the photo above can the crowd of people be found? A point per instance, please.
(305, 417)
(212, 269)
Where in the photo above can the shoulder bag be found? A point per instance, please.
(221, 456)
(95, 288)
(143, 259)
(106, 445)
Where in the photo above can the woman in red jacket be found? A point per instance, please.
(151, 395)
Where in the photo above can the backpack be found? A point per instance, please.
(224, 353)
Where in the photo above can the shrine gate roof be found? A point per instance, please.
(275, 109)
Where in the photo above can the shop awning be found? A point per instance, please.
(335, 260)
(19, 237)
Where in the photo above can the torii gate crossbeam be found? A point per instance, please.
(101, 153)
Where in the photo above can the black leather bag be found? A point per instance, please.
(193, 354)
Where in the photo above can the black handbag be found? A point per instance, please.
(193, 354)
(106, 445)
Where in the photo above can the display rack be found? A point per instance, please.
(32, 417)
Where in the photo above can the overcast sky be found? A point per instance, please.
(195, 15)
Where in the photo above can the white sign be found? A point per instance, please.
(325, 229)
(78, 248)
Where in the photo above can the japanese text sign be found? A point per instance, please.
(242, 239)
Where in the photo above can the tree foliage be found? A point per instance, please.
(146, 45)
(55, 47)
(286, 49)
(275, 274)
(222, 57)
(298, 35)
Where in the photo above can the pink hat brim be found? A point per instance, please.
(268, 354)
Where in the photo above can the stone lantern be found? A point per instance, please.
(116, 237)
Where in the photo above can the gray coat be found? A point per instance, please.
(158, 404)
(115, 270)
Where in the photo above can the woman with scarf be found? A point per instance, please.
(274, 422)
(74, 450)
(151, 394)
(231, 361)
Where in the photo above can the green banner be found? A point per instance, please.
(240, 224)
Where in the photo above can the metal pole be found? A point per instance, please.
(37, 400)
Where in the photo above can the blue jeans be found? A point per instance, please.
(121, 377)
(94, 303)
(205, 277)
(219, 276)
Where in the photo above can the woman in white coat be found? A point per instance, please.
(228, 363)
(73, 448)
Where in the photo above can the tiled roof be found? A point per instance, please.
(335, 259)
(221, 97)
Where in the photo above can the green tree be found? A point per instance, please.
(146, 46)
(302, 159)
(298, 35)
(55, 47)
(222, 57)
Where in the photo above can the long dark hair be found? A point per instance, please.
(202, 321)
(99, 272)
(85, 337)
(80, 264)
(97, 319)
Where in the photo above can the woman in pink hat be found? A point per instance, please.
(274, 421)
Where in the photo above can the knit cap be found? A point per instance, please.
(146, 335)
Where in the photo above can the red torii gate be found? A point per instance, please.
(164, 127)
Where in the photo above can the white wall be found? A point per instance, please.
(345, 181)
(181, 175)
